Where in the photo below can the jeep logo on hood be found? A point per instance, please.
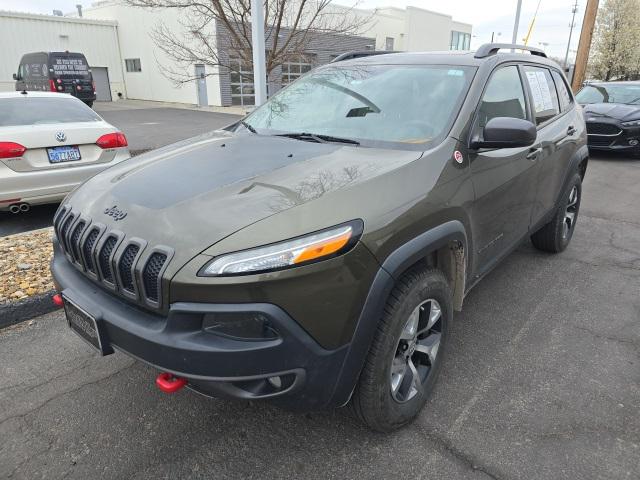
(115, 212)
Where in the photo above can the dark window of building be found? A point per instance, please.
(241, 80)
(295, 68)
(460, 41)
(133, 64)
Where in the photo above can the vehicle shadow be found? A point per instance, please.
(39, 216)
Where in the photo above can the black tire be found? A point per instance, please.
(373, 402)
(555, 235)
(89, 104)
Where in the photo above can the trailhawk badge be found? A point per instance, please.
(457, 156)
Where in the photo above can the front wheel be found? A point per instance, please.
(555, 236)
(406, 353)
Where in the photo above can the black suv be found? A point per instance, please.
(313, 253)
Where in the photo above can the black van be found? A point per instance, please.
(64, 72)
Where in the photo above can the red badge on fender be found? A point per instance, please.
(457, 156)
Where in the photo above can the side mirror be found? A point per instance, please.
(15, 76)
(506, 132)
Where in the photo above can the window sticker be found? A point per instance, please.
(540, 91)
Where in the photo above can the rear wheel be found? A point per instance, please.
(405, 357)
(556, 235)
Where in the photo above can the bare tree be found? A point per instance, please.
(616, 47)
(218, 32)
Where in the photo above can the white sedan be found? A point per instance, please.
(49, 144)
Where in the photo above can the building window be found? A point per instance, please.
(294, 69)
(133, 64)
(241, 80)
(388, 44)
(460, 41)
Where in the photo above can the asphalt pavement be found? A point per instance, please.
(147, 126)
(541, 381)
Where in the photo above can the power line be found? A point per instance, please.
(573, 24)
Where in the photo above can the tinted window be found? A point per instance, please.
(392, 103)
(41, 111)
(543, 93)
(503, 97)
(611, 93)
(563, 91)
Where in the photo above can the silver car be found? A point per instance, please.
(49, 144)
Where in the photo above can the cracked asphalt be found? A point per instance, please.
(542, 381)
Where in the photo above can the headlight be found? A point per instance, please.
(632, 123)
(298, 251)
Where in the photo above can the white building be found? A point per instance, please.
(126, 62)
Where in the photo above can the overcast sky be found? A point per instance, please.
(551, 27)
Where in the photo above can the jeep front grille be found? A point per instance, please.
(151, 275)
(87, 249)
(127, 266)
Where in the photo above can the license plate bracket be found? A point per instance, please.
(86, 326)
(68, 153)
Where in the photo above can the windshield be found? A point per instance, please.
(388, 103)
(42, 111)
(613, 93)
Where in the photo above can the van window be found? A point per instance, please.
(69, 66)
(503, 97)
(44, 110)
(543, 93)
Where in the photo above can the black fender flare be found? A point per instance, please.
(574, 166)
(391, 269)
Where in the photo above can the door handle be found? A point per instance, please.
(533, 153)
(571, 130)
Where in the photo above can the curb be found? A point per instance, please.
(22, 310)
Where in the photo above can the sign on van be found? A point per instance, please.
(70, 66)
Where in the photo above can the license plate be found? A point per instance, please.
(83, 324)
(63, 154)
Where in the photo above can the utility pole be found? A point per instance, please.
(582, 56)
(259, 62)
(514, 37)
(573, 24)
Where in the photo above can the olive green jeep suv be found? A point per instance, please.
(313, 253)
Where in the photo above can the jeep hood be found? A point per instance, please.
(192, 194)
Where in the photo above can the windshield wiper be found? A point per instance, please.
(248, 127)
(318, 138)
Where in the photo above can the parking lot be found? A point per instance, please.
(542, 381)
(148, 125)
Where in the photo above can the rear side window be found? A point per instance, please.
(563, 91)
(503, 97)
(543, 93)
(43, 111)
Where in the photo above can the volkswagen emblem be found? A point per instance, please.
(61, 137)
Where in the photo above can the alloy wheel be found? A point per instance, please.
(570, 212)
(417, 351)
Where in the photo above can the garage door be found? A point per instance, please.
(101, 78)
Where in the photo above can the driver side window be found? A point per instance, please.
(503, 97)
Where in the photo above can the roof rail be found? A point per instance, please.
(489, 49)
(360, 54)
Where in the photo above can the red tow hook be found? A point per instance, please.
(57, 300)
(169, 383)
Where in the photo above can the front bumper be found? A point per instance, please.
(309, 375)
(616, 138)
